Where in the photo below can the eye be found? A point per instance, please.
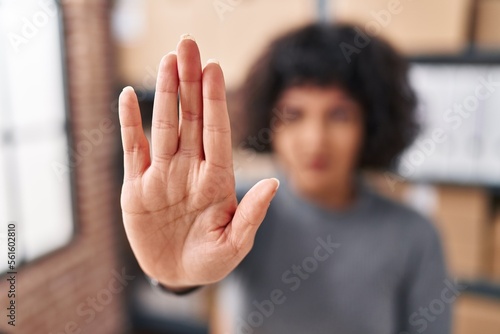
(340, 114)
(291, 114)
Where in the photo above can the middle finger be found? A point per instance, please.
(191, 103)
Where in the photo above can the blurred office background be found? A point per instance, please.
(62, 66)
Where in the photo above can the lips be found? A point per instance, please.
(318, 164)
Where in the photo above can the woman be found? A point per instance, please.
(332, 256)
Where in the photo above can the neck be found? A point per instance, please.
(338, 196)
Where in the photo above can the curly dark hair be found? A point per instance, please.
(367, 67)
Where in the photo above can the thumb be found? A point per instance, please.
(251, 212)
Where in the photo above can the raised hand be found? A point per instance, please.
(179, 205)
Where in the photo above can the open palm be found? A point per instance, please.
(179, 205)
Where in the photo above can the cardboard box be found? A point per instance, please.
(424, 26)
(462, 216)
(234, 32)
(487, 29)
(495, 257)
(476, 314)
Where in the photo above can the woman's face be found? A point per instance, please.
(318, 138)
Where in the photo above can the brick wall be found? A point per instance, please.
(76, 289)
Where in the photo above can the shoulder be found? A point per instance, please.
(414, 226)
(417, 237)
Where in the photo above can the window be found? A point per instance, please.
(35, 192)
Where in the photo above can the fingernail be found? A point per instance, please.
(277, 183)
(127, 87)
(172, 53)
(213, 60)
(188, 36)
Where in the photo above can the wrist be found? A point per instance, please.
(177, 290)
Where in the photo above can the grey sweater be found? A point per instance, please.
(376, 268)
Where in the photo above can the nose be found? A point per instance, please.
(314, 136)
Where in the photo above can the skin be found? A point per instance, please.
(179, 205)
(318, 142)
(178, 200)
